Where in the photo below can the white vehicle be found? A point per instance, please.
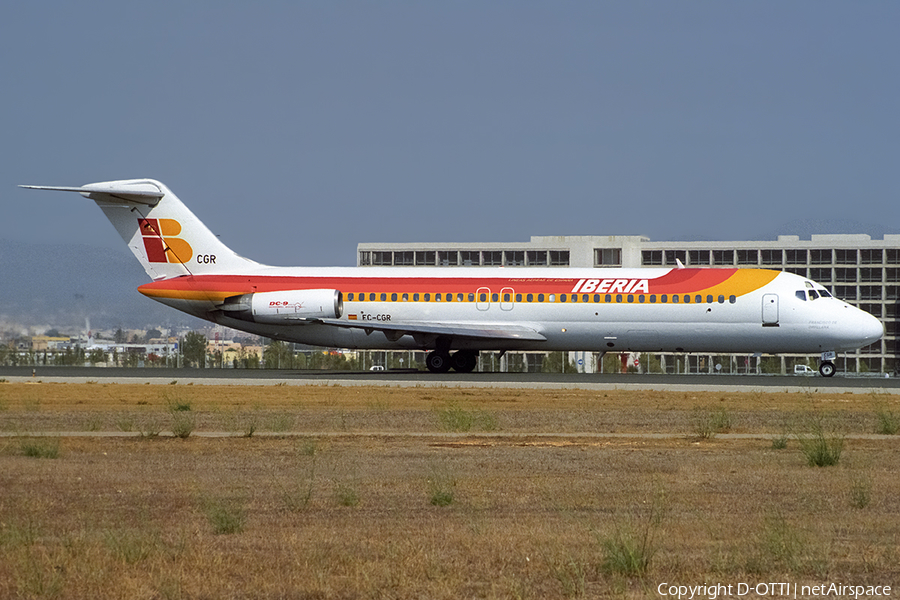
(456, 312)
(803, 370)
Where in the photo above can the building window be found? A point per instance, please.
(820, 274)
(607, 257)
(723, 257)
(536, 258)
(845, 257)
(820, 257)
(651, 257)
(447, 258)
(514, 258)
(869, 274)
(698, 257)
(747, 257)
(892, 293)
(425, 258)
(844, 275)
(469, 258)
(559, 258)
(492, 258)
(871, 257)
(892, 256)
(872, 309)
(892, 274)
(795, 257)
(770, 257)
(382, 259)
(870, 292)
(801, 271)
(404, 259)
(365, 258)
(673, 256)
(845, 292)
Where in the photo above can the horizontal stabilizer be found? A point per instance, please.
(140, 193)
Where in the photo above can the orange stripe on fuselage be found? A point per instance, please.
(215, 288)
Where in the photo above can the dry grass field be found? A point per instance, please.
(329, 492)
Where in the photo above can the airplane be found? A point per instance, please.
(453, 314)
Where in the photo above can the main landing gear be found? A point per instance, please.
(826, 367)
(461, 361)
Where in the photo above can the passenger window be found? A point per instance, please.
(721, 299)
(698, 299)
(664, 298)
(394, 297)
(709, 299)
(674, 298)
(495, 297)
(437, 297)
(383, 297)
(449, 297)
(596, 298)
(630, 298)
(506, 297)
(518, 297)
(608, 298)
(427, 298)
(562, 297)
(416, 297)
(732, 299)
(471, 297)
(372, 297)
(529, 298)
(551, 298)
(482, 297)
(641, 298)
(459, 297)
(618, 297)
(350, 297)
(800, 294)
(652, 298)
(585, 298)
(574, 297)
(540, 297)
(405, 297)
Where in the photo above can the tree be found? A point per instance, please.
(278, 355)
(193, 347)
(152, 334)
(119, 336)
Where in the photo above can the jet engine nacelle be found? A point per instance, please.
(281, 308)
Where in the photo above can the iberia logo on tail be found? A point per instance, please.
(160, 242)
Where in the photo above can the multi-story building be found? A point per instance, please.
(856, 268)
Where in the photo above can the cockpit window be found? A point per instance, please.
(825, 294)
(801, 294)
(813, 294)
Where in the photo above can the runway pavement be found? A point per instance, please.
(837, 384)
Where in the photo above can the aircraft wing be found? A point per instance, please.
(476, 331)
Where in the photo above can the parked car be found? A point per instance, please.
(803, 370)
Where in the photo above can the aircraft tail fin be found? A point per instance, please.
(160, 230)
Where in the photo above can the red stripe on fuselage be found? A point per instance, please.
(675, 281)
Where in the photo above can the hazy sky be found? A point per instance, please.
(296, 129)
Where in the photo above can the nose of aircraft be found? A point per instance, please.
(870, 329)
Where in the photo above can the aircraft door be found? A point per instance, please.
(483, 298)
(770, 310)
(507, 298)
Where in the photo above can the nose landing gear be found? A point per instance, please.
(826, 367)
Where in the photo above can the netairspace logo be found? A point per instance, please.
(773, 590)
